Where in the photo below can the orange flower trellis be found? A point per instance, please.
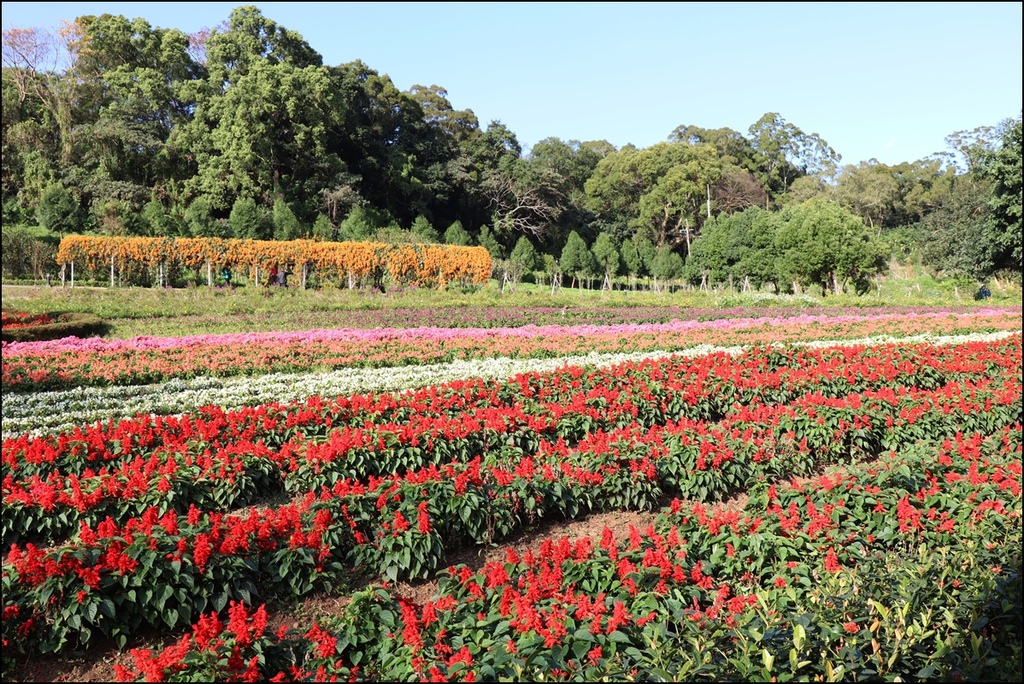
(416, 264)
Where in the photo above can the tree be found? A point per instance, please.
(576, 259)
(58, 211)
(457, 235)
(823, 244)
(607, 257)
(41, 64)
(424, 230)
(136, 88)
(709, 260)
(522, 260)
(437, 112)
(159, 220)
(677, 202)
(784, 153)
(487, 240)
(752, 244)
(667, 265)
(524, 254)
(201, 222)
(631, 259)
(869, 190)
(324, 230)
(516, 206)
(247, 220)
(958, 235)
(286, 225)
(1003, 168)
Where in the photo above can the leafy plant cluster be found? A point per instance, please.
(51, 326)
(879, 570)
(616, 439)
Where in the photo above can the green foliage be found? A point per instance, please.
(1004, 168)
(362, 223)
(823, 244)
(159, 222)
(524, 254)
(490, 243)
(424, 230)
(457, 235)
(740, 246)
(58, 211)
(667, 263)
(250, 221)
(28, 251)
(606, 255)
(286, 225)
(323, 229)
(631, 258)
(959, 233)
(201, 222)
(577, 260)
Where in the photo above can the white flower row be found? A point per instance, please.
(53, 412)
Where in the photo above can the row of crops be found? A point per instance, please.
(877, 535)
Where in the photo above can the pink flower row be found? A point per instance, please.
(434, 333)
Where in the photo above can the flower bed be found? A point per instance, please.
(73, 363)
(549, 446)
(896, 555)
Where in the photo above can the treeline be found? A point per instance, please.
(114, 127)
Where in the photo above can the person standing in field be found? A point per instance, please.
(282, 276)
(272, 279)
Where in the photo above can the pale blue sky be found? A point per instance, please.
(882, 80)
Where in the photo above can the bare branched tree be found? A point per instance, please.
(516, 206)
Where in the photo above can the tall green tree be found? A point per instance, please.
(424, 230)
(958, 234)
(607, 257)
(822, 244)
(58, 211)
(248, 220)
(457, 235)
(524, 255)
(487, 240)
(287, 225)
(666, 266)
(577, 260)
(784, 153)
(1003, 168)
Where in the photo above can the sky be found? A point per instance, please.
(884, 81)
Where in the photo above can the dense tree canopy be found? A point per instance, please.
(113, 125)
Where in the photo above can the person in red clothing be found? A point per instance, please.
(272, 280)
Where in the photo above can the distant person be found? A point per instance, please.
(225, 275)
(272, 280)
(984, 292)
(282, 277)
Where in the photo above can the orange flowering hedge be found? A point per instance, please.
(416, 264)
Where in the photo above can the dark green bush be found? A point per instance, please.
(69, 325)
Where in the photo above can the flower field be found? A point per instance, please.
(827, 497)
